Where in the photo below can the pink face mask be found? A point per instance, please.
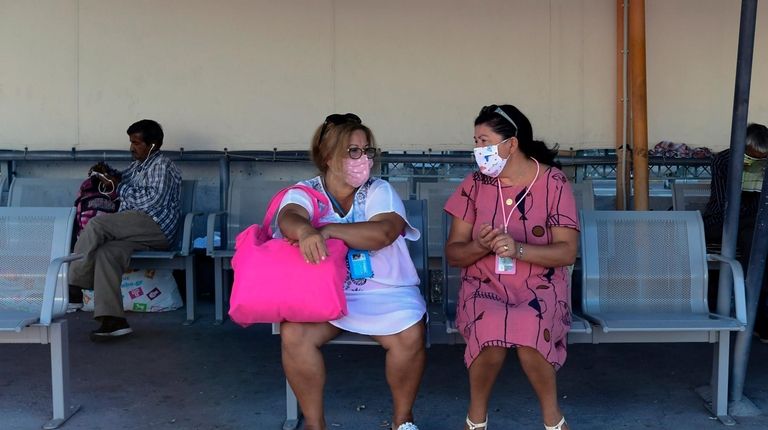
(357, 171)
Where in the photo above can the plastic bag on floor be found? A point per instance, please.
(145, 291)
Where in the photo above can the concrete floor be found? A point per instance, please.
(170, 376)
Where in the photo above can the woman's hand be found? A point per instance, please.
(462, 250)
(312, 245)
(486, 236)
(504, 246)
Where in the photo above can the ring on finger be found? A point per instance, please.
(506, 247)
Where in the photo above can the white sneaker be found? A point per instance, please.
(407, 426)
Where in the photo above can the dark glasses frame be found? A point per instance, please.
(338, 119)
(357, 152)
(496, 109)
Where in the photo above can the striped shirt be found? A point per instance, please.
(153, 187)
(714, 214)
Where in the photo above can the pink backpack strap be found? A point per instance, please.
(274, 204)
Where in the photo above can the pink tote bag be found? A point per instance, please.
(273, 282)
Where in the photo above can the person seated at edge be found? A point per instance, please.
(755, 163)
(367, 215)
(514, 231)
(148, 218)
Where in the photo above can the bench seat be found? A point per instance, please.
(35, 247)
(645, 279)
(13, 320)
(664, 322)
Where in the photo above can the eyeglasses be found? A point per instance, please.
(357, 152)
(498, 110)
(338, 119)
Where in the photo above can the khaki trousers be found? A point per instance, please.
(107, 243)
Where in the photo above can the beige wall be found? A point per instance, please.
(691, 66)
(261, 74)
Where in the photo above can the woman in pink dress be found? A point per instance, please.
(514, 232)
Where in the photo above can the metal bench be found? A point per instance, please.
(178, 256)
(402, 186)
(416, 212)
(61, 192)
(3, 187)
(34, 250)
(584, 194)
(43, 192)
(690, 196)
(436, 194)
(247, 201)
(644, 279)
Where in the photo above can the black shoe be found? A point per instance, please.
(762, 337)
(75, 294)
(75, 299)
(111, 328)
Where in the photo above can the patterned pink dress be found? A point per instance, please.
(531, 307)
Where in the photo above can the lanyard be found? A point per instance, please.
(527, 190)
(341, 209)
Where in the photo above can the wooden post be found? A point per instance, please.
(638, 102)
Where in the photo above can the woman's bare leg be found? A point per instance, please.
(304, 366)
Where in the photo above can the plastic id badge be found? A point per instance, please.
(505, 266)
(359, 264)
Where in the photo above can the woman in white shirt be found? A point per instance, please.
(384, 302)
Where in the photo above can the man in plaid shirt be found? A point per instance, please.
(148, 218)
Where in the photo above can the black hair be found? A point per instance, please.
(757, 137)
(105, 169)
(151, 131)
(517, 125)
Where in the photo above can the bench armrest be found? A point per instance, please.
(739, 294)
(210, 226)
(51, 279)
(186, 238)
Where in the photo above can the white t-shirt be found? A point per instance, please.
(392, 265)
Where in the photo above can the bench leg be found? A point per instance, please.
(189, 273)
(218, 282)
(720, 381)
(291, 409)
(62, 409)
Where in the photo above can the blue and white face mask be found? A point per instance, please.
(489, 161)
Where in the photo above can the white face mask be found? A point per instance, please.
(489, 161)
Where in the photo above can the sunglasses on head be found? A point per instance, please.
(339, 119)
(500, 111)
